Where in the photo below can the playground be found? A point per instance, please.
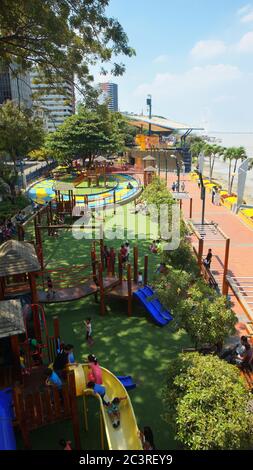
(131, 333)
(107, 189)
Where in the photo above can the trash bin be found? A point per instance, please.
(7, 436)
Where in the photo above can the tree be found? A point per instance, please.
(212, 152)
(238, 154)
(196, 146)
(85, 134)
(62, 38)
(157, 193)
(182, 258)
(206, 401)
(20, 132)
(171, 289)
(206, 316)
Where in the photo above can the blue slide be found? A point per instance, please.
(160, 316)
(127, 381)
(7, 436)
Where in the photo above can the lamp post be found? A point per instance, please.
(203, 188)
(149, 105)
(166, 166)
(178, 170)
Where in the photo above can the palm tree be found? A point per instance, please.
(212, 152)
(229, 156)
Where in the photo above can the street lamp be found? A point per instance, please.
(203, 188)
(178, 170)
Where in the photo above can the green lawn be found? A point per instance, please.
(127, 346)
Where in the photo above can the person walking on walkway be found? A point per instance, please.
(208, 259)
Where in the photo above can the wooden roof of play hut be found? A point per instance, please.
(18, 258)
(11, 318)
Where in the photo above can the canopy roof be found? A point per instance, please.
(159, 124)
(150, 168)
(11, 318)
(149, 158)
(18, 258)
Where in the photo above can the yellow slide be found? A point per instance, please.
(125, 437)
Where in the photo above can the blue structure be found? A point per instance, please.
(153, 306)
(7, 436)
(127, 381)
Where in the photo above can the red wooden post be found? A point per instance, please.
(120, 268)
(102, 252)
(101, 288)
(35, 300)
(21, 416)
(74, 409)
(48, 221)
(56, 327)
(190, 215)
(39, 216)
(135, 264)
(200, 253)
(114, 202)
(145, 270)
(50, 212)
(180, 203)
(226, 258)
(15, 349)
(129, 290)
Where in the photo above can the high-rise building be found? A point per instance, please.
(109, 92)
(57, 105)
(15, 86)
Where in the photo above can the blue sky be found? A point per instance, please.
(196, 59)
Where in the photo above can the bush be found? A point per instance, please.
(182, 258)
(206, 316)
(9, 208)
(206, 401)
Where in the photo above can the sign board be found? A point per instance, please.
(201, 159)
(242, 175)
(181, 195)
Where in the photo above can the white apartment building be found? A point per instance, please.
(57, 106)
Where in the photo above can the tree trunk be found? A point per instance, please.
(232, 180)
(210, 168)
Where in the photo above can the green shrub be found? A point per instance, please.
(206, 401)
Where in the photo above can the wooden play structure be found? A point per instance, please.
(35, 408)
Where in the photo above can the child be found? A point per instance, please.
(52, 378)
(140, 282)
(208, 259)
(112, 259)
(127, 247)
(153, 247)
(147, 438)
(100, 390)
(96, 373)
(123, 253)
(113, 411)
(66, 445)
(89, 338)
(50, 288)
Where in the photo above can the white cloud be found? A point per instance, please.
(246, 43)
(208, 49)
(244, 9)
(196, 79)
(247, 18)
(161, 59)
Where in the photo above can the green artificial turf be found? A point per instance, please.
(127, 346)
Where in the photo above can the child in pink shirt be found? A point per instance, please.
(95, 375)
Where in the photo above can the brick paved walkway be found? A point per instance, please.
(241, 240)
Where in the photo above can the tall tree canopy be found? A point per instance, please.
(20, 131)
(206, 401)
(86, 133)
(61, 37)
